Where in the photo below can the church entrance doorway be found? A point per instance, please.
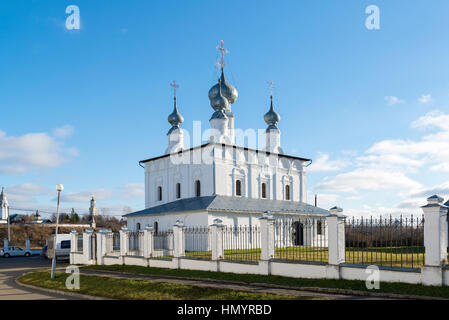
(298, 233)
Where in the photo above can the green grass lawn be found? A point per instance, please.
(142, 289)
(397, 288)
(410, 257)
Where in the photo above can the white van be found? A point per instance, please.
(62, 247)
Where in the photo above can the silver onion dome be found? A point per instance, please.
(219, 102)
(272, 117)
(227, 89)
(175, 118)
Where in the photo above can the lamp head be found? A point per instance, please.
(59, 187)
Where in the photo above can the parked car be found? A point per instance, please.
(14, 252)
(62, 247)
(44, 252)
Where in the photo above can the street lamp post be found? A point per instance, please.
(59, 188)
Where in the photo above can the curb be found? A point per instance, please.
(59, 292)
(268, 285)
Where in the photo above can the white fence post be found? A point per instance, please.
(102, 245)
(148, 242)
(216, 233)
(5, 243)
(73, 245)
(73, 241)
(435, 240)
(267, 238)
(27, 243)
(124, 242)
(179, 246)
(88, 250)
(336, 236)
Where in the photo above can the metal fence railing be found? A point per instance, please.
(394, 242)
(80, 242)
(163, 240)
(301, 240)
(116, 241)
(241, 243)
(198, 243)
(135, 239)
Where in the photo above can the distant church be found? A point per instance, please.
(238, 185)
(4, 207)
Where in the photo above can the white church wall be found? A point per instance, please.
(163, 173)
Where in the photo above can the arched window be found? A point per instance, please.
(138, 226)
(198, 188)
(287, 192)
(159, 193)
(155, 228)
(238, 188)
(264, 190)
(178, 190)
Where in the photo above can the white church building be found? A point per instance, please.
(220, 179)
(4, 207)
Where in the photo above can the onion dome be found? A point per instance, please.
(272, 117)
(227, 89)
(219, 102)
(175, 118)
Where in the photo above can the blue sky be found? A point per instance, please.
(82, 107)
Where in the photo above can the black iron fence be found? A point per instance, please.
(301, 240)
(394, 242)
(241, 243)
(135, 239)
(198, 242)
(80, 242)
(163, 240)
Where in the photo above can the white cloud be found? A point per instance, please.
(433, 119)
(322, 163)
(392, 100)
(64, 132)
(28, 189)
(431, 150)
(425, 99)
(367, 179)
(132, 191)
(30, 152)
(85, 196)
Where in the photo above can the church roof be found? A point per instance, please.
(229, 145)
(232, 205)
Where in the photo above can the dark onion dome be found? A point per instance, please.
(271, 117)
(175, 118)
(227, 89)
(219, 114)
(219, 102)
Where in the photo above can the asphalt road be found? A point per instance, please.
(13, 267)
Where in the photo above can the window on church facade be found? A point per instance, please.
(287, 192)
(159, 193)
(238, 188)
(198, 188)
(155, 228)
(264, 190)
(138, 226)
(178, 190)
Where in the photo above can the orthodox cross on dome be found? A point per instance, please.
(175, 86)
(271, 84)
(221, 48)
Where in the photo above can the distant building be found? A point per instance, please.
(4, 207)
